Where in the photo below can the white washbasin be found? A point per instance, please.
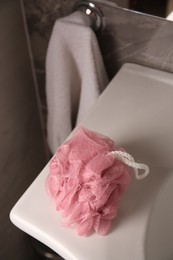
(136, 111)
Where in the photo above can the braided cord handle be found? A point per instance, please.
(130, 161)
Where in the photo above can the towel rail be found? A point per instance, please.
(93, 12)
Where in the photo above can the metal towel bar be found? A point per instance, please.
(93, 12)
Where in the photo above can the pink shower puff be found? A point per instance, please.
(86, 182)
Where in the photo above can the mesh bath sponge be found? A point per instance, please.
(88, 175)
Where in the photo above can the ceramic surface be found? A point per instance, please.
(135, 111)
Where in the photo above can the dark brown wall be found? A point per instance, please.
(22, 149)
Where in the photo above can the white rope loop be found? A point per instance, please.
(127, 159)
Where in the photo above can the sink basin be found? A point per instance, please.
(135, 110)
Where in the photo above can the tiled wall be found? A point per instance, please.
(127, 37)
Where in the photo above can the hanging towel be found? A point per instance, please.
(75, 75)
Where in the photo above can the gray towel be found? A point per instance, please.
(75, 75)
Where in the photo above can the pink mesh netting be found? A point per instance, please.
(86, 182)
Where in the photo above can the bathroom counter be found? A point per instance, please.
(135, 110)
